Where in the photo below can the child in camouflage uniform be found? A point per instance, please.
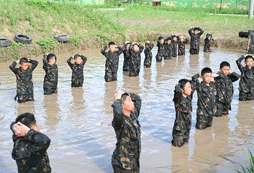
(161, 49)
(30, 146)
(206, 98)
(112, 61)
(77, 77)
(168, 49)
(181, 45)
(195, 34)
(246, 84)
(24, 79)
(126, 109)
(251, 42)
(148, 54)
(51, 76)
(135, 51)
(208, 41)
(225, 89)
(174, 40)
(126, 55)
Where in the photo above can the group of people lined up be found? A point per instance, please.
(214, 99)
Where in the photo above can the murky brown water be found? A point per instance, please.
(78, 120)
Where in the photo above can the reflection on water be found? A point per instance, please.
(78, 120)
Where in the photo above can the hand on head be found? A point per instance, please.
(20, 129)
(118, 95)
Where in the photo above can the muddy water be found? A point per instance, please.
(78, 120)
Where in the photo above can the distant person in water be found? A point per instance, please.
(161, 49)
(24, 79)
(126, 156)
(148, 54)
(208, 41)
(174, 40)
(112, 61)
(126, 55)
(135, 51)
(195, 34)
(181, 45)
(168, 49)
(251, 42)
(77, 77)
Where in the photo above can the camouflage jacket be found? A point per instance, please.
(77, 76)
(135, 57)
(51, 76)
(206, 96)
(181, 47)
(126, 54)
(195, 39)
(148, 51)
(30, 152)
(128, 147)
(112, 59)
(246, 84)
(225, 88)
(24, 78)
(168, 50)
(161, 48)
(174, 46)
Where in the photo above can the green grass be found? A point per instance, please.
(250, 168)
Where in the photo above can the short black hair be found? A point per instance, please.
(209, 35)
(23, 60)
(206, 70)
(248, 56)
(160, 38)
(111, 43)
(223, 64)
(124, 96)
(51, 56)
(76, 56)
(169, 38)
(27, 119)
(183, 82)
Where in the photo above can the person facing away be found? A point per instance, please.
(126, 55)
(30, 145)
(183, 106)
(168, 49)
(195, 34)
(112, 61)
(161, 49)
(206, 91)
(225, 90)
(251, 42)
(135, 51)
(148, 54)
(246, 84)
(175, 40)
(181, 45)
(126, 156)
(51, 76)
(208, 41)
(77, 77)
(24, 79)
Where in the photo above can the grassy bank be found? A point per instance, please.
(89, 27)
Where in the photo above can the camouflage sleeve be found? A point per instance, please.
(13, 135)
(234, 76)
(178, 93)
(201, 31)
(34, 64)
(137, 102)
(12, 67)
(44, 60)
(103, 51)
(239, 65)
(190, 31)
(186, 40)
(38, 141)
(120, 51)
(84, 59)
(196, 81)
(151, 46)
(118, 113)
(141, 48)
(69, 63)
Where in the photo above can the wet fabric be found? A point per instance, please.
(195, 40)
(30, 153)
(225, 91)
(174, 46)
(161, 52)
(168, 51)
(182, 124)
(117, 169)
(50, 78)
(148, 55)
(127, 56)
(111, 65)
(24, 82)
(181, 47)
(246, 84)
(135, 62)
(128, 146)
(77, 77)
(207, 43)
(206, 102)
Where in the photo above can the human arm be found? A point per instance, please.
(12, 67)
(234, 76)
(249, 44)
(195, 80)
(137, 102)
(239, 64)
(120, 50)
(69, 62)
(44, 60)
(84, 59)
(177, 93)
(103, 51)
(186, 40)
(117, 111)
(201, 31)
(34, 64)
(151, 45)
(141, 48)
(190, 31)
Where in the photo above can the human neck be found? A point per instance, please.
(127, 113)
(185, 95)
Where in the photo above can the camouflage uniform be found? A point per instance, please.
(135, 61)
(51, 77)
(24, 82)
(30, 152)
(208, 43)
(148, 55)
(182, 125)
(195, 40)
(174, 45)
(206, 103)
(251, 48)
(126, 55)
(111, 65)
(128, 147)
(161, 52)
(225, 92)
(168, 51)
(246, 84)
(181, 47)
(77, 77)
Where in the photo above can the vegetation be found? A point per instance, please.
(249, 169)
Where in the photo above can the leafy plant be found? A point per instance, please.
(249, 169)
(47, 44)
